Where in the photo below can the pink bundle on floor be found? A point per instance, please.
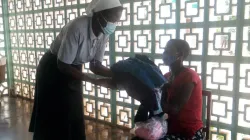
(153, 129)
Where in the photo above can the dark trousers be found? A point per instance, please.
(143, 114)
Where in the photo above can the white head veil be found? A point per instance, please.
(99, 5)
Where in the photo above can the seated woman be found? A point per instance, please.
(183, 101)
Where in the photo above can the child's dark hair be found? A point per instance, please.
(181, 46)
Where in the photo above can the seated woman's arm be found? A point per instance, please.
(179, 99)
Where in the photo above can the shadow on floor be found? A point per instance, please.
(15, 116)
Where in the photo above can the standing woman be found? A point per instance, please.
(58, 106)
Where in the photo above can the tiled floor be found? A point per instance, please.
(15, 116)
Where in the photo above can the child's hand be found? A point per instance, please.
(165, 116)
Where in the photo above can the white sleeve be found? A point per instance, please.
(69, 45)
(101, 50)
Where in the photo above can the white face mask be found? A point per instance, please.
(110, 27)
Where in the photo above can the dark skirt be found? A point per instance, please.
(58, 106)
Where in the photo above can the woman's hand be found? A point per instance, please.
(68, 70)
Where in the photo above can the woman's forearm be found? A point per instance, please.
(180, 98)
(97, 68)
(73, 72)
(106, 82)
(171, 109)
(174, 105)
(103, 71)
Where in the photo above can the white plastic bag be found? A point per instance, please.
(153, 129)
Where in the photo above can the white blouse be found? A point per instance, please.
(76, 43)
